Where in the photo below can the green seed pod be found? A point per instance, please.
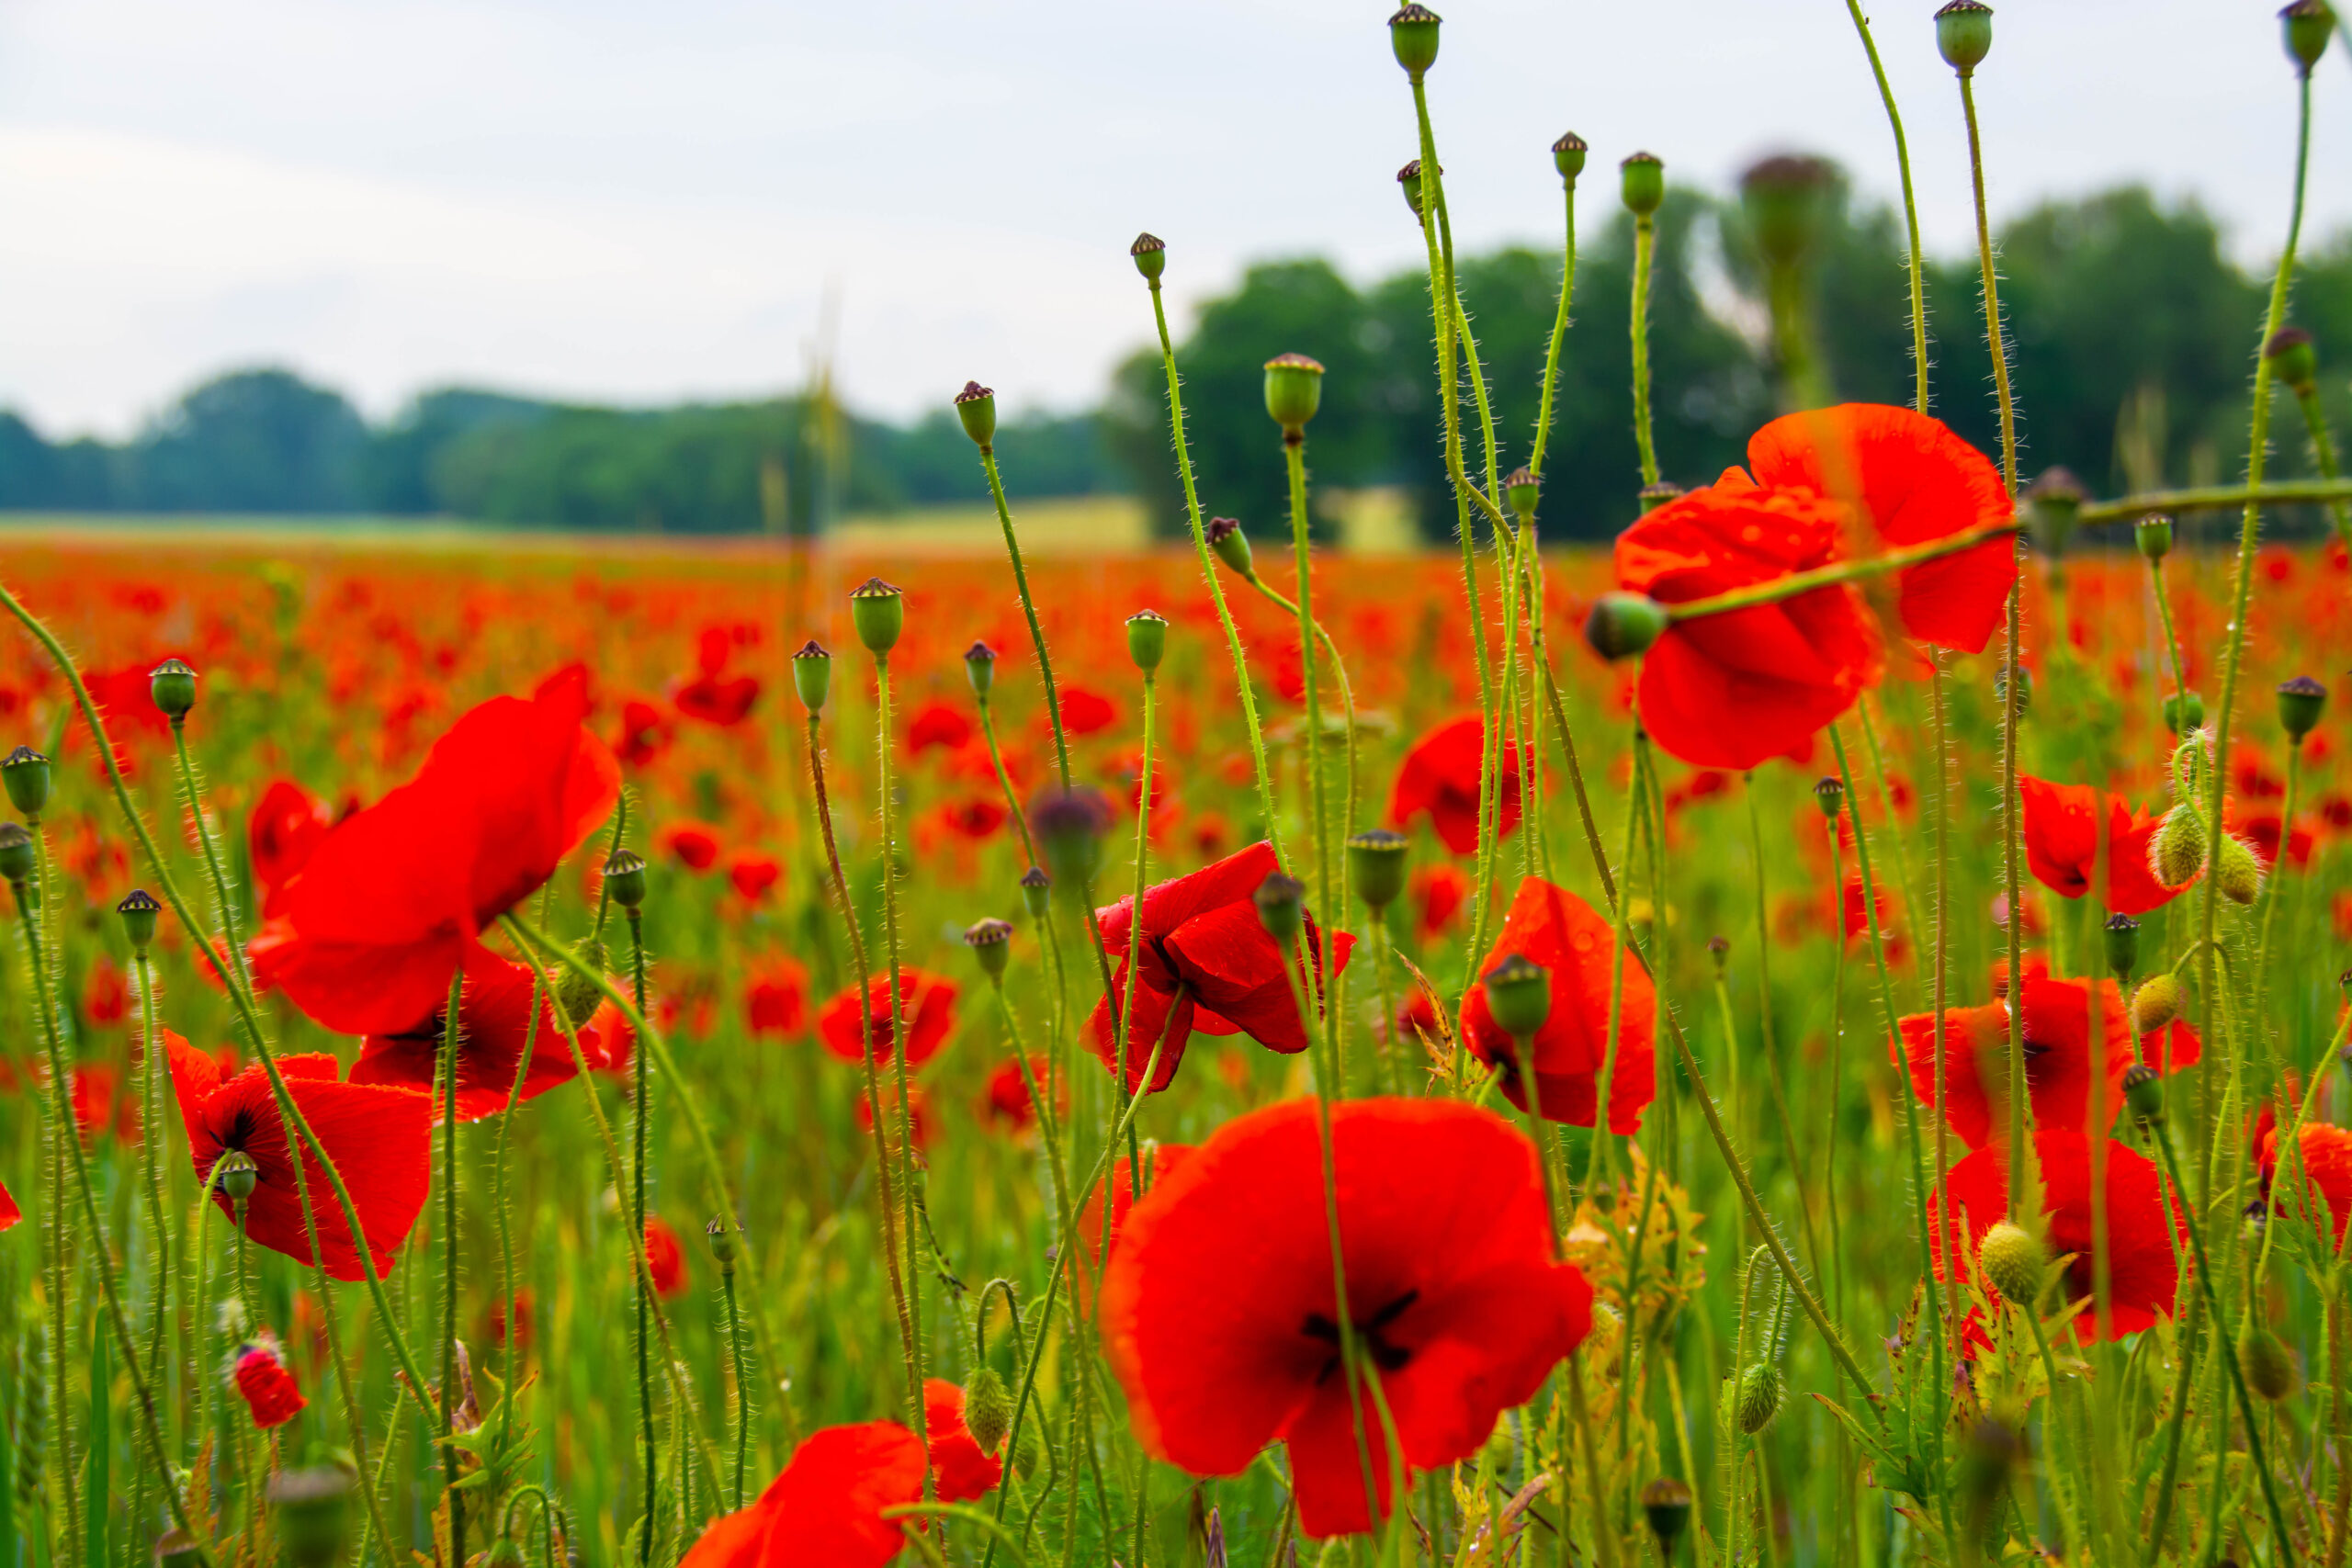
(980, 669)
(2014, 1262)
(2269, 1370)
(975, 409)
(16, 854)
(2240, 873)
(1231, 545)
(578, 995)
(1652, 497)
(25, 771)
(1643, 183)
(1567, 156)
(1519, 994)
(1376, 865)
(1293, 392)
(2184, 711)
(624, 878)
(2178, 851)
(988, 1409)
(1412, 37)
(1829, 793)
(2156, 1002)
(1280, 909)
(139, 911)
(2122, 937)
(813, 675)
(312, 1514)
(2143, 1092)
(2293, 360)
(1666, 1502)
(1070, 825)
(1786, 199)
(2307, 26)
(172, 685)
(2153, 534)
(1719, 950)
(1147, 639)
(1964, 35)
(1759, 1398)
(2302, 701)
(1036, 892)
(1625, 623)
(2053, 503)
(878, 611)
(1151, 253)
(235, 1176)
(1409, 182)
(1520, 490)
(721, 1236)
(992, 943)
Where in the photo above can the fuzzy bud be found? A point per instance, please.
(988, 1409)
(980, 669)
(2178, 851)
(1642, 182)
(16, 854)
(878, 611)
(1294, 392)
(1280, 908)
(2302, 701)
(1567, 156)
(2153, 534)
(2014, 1262)
(1964, 35)
(1519, 994)
(1148, 640)
(2269, 1370)
(2122, 938)
(992, 943)
(2293, 360)
(2156, 1003)
(624, 878)
(139, 911)
(1151, 253)
(2239, 873)
(813, 675)
(1758, 1399)
(1621, 625)
(25, 771)
(1376, 865)
(1231, 545)
(2143, 1092)
(1412, 38)
(2307, 25)
(976, 410)
(577, 994)
(172, 685)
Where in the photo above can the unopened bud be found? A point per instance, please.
(1376, 865)
(2269, 1370)
(1758, 1399)
(2302, 701)
(2176, 853)
(25, 771)
(624, 878)
(2156, 1003)
(988, 1409)
(139, 911)
(1519, 995)
(992, 943)
(576, 992)
(1231, 545)
(2014, 1262)
(975, 410)
(172, 685)
(2239, 874)
(1964, 35)
(1642, 182)
(1151, 253)
(2184, 713)
(1621, 625)
(812, 674)
(878, 611)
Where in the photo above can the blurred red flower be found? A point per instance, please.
(1552, 927)
(1439, 779)
(1439, 892)
(777, 1001)
(2062, 846)
(281, 833)
(664, 1259)
(2327, 1160)
(1085, 711)
(939, 724)
(694, 845)
(753, 874)
(269, 1390)
(927, 1000)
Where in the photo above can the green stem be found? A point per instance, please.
(1597, 1163)
(1645, 244)
(2214, 498)
(743, 1385)
(1295, 460)
(898, 1013)
(1559, 331)
(1788, 586)
(451, 1043)
(2324, 459)
(1914, 260)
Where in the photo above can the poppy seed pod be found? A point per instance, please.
(1376, 865)
(1520, 489)
(2153, 534)
(1666, 1503)
(975, 409)
(812, 674)
(1293, 392)
(16, 854)
(1408, 181)
(1151, 253)
(2293, 360)
(235, 1176)
(2307, 25)
(1567, 156)
(878, 611)
(2269, 1370)
(2143, 1092)
(1785, 199)
(2054, 502)
(1964, 35)
(139, 910)
(2014, 1263)
(25, 773)
(2300, 702)
(1652, 497)
(2123, 946)
(1758, 1399)
(172, 685)
(1719, 949)
(992, 943)
(2239, 874)
(1412, 37)
(1625, 623)
(2184, 712)
(1231, 545)
(988, 1409)
(1829, 793)
(2177, 850)
(624, 878)
(721, 1236)
(1519, 994)
(1147, 639)
(577, 994)
(1036, 892)
(980, 668)
(1281, 907)
(312, 1514)
(1070, 825)
(1642, 182)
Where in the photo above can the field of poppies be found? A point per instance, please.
(1813, 1036)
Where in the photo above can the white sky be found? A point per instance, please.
(618, 200)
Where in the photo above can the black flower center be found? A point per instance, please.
(1388, 1358)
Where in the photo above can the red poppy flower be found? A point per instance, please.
(269, 1390)
(694, 845)
(974, 817)
(378, 1137)
(1208, 965)
(97, 1110)
(395, 896)
(777, 1001)
(2141, 1270)
(1008, 1103)
(1439, 892)
(825, 1509)
(664, 1259)
(918, 1104)
(753, 874)
(1220, 1320)
(645, 733)
(285, 827)
(2261, 832)
(1552, 927)
(1440, 776)
(939, 724)
(2327, 1160)
(928, 1001)
(713, 696)
(105, 992)
(2058, 1065)
(1084, 711)
(961, 1469)
(2062, 846)
(493, 1021)
(511, 1316)
(9, 1212)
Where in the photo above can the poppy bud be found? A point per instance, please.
(2308, 24)
(2156, 1002)
(1719, 949)
(2270, 1371)
(26, 774)
(721, 1236)
(1151, 253)
(235, 1176)
(812, 674)
(1642, 186)
(2293, 360)
(1567, 156)
(1376, 865)
(2177, 850)
(2054, 502)
(1785, 199)
(1036, 892)
(624, 878)
(976, 407)
(1408, 181)
(577, 994)
(1652, 497)
(2014, 1263)
(1519, 994)
(139, 910)
(2240, 873)
(1520, 490)
(16, 854)
(1146, 639)
(1412, 37)
(988, 1409)
(1829, 793)
(1625, 623)
(992, 943)
(1293, 392)
(312, 1511)
(1964, 35)
(878, 611)
(172, 685)
(1279, 908)
(2123, 946)
(1667, 1503)
(2143, 1091)
(2153, 534)
(1231, 545)
(980, 668)
(2300, 702)
(1069, 824)
(2184, 711)
(1758, 1399)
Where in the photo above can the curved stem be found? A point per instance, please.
(1913, 260)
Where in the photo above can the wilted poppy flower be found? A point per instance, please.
(1439, 779)
(938, 724)
(753, 874)
(2062, 846)
(269, 1390)
(284, 828)
(825, 1509)
(2141, 1269)
(664, 1259)
(378, 1137)
(1552, 927)
(927, 1000)
(493, 1021)
(2058, 1061)
(1221, 1319)
(694, 845)
(395, 897)
(777, 1001)
(1207, 965)
(2327, 1161)
(961, 1469)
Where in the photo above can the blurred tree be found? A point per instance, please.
(260, 440)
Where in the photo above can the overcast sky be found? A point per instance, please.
(618, 200)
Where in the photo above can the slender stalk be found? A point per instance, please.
(151, 1149)
(898, 1018)
(1645, 244)
(451, 1498)
(743, 1385)
(1597, 1164)
(1789, 585)
(2215, 498)
(1128, 1088)
(1913, 259)
(2324, 459)
(1559, 332)
(1295, 460)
